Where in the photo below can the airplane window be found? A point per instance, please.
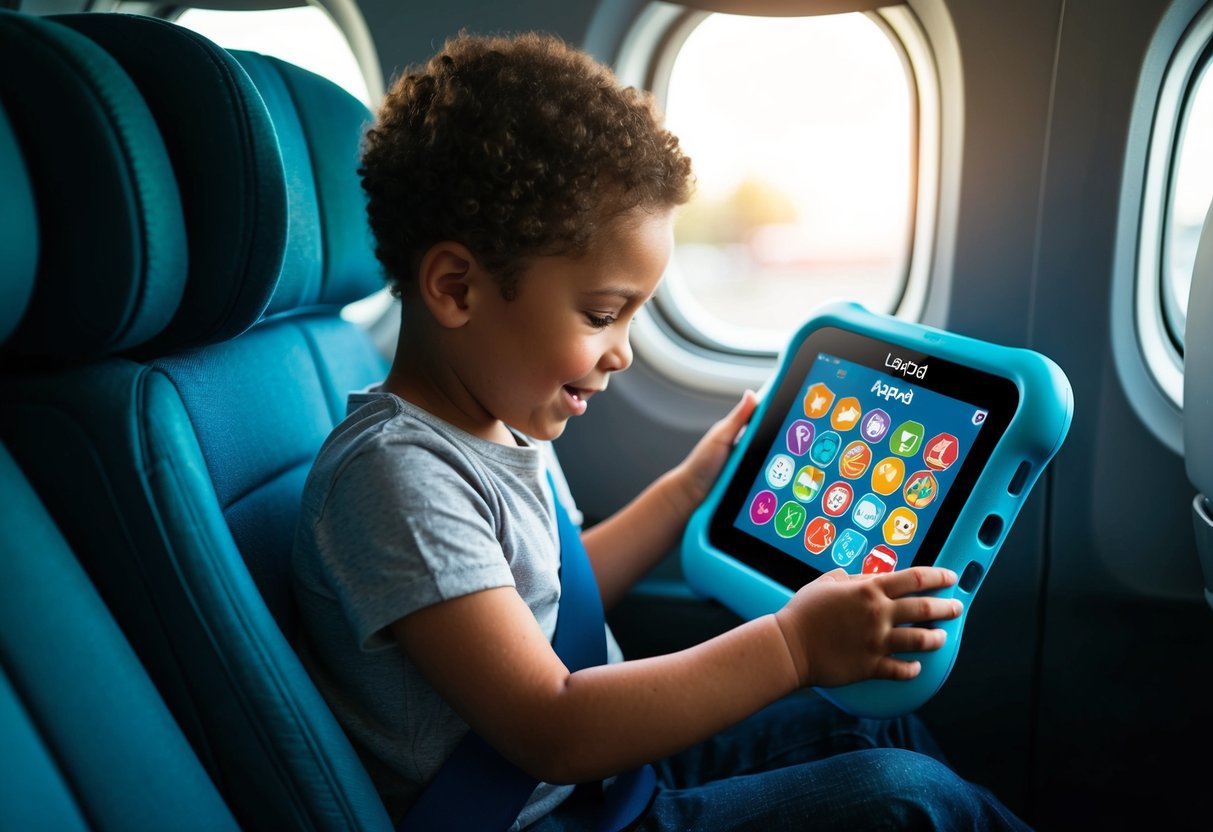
(1176, 191)
(303, 35)
(1190, 198)
(804, 142)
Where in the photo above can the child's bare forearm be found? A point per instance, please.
(608, 719)
(629, 543)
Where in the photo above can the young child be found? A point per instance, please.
(522, 204)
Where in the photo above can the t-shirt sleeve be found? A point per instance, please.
(401, 529)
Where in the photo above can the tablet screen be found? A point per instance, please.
(863, 459)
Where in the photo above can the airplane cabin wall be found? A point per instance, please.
(1125, 662)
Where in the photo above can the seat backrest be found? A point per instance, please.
(1198, 399)
(184, 467)
(87, 741)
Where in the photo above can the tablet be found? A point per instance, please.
(878, 445)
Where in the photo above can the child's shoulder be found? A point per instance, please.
(385, 432)
(395, 445)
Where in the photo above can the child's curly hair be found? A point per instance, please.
(516, 147)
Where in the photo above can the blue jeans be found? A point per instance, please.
(804, 764)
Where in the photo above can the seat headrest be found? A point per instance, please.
(112, 258)
(1198, 367)
(320, 127)
(226, 159)
(18, 233)
(266, 159)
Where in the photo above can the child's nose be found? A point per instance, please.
(618, 356)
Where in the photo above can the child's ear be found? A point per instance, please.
(444, 280)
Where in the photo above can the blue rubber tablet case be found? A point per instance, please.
(879, 444)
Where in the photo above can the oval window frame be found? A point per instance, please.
(661, 336)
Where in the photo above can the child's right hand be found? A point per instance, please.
(843, 628)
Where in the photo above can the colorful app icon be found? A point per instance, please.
(900, 526)
(876, 425)
(825, 448)
(789, 519)
(817, 400)
(856, 457)
(941, 451)
(921, 489)
(868, 511)
(799, 437)
(887, 475)
(906, 439)
(762, 508)
(850, 545)
(846, 414)
(819, 535)
(837, 499)
(808, 483)
(979, 416)
(779, 470)
(880, 559)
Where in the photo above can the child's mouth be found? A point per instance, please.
(578, 398)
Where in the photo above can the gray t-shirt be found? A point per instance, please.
(402, 510)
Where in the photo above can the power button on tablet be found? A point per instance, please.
(970, 577)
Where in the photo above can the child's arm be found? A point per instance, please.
(626, 545)
(485, 654)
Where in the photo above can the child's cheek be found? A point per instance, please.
(583, 358)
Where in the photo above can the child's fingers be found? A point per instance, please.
(739, 416)
(925, 608)
(916, 579)
(897, 669)
(916, 639)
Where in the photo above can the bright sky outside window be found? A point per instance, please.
(1191, 194)
(803, 148)
(304, 35)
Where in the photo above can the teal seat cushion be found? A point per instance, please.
(88, 741)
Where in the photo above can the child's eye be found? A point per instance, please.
(599, 321)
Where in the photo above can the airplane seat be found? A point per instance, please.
(88, 742)
(181, 466)
(1198, 400)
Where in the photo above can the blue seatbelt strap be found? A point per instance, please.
(478, 790)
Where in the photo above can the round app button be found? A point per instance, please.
(921, 489)
(837, 499)
(762, 508)
(880, 559)
(779, 470)
(799, 437)
(855, 459)
(887, 475)
(818, 535)
(789, 519)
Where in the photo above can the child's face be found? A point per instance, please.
(540, 357)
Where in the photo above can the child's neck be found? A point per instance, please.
(423, 377)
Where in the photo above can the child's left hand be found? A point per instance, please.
(699, 470)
